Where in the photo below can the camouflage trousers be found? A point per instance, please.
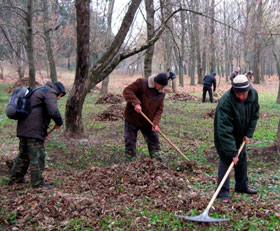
(150, 137)
(31, 152)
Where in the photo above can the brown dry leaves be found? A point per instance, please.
(93, 194)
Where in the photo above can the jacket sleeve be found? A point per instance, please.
(130, 92)
(255, 117)
(224, 128)
(214, 84)
(52, 108)
(158, 113)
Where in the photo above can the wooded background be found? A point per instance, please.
(192, 37)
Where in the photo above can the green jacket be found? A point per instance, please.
(234, 120)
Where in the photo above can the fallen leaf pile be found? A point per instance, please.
(22, 82)
(113, 113)
(110, 99)
(184, 97)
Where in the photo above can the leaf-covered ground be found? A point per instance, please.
(96, 190)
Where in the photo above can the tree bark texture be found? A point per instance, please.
(205, 42)
(148, 60)
(197, 45)
(278, 72)
(277, 141)
(192, 44)
(167, 36)
(212, 48)
(48, 43)
(182, 48)
(105, 82)
(29, 43)
(257, 42)
(75, 101)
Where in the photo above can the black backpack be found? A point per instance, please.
(19, 103)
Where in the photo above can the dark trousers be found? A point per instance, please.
(31, 152)
(205, 89)
(150, 137)
(240, 174)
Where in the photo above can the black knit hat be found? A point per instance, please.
(60, 88)
(240, 84)
(161, 79)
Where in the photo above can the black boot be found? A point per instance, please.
(247, 190)
(43, 185)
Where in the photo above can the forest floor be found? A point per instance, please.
(96, 190)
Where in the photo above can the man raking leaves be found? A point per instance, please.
(235, 121)
(147, 96)
(143, 111)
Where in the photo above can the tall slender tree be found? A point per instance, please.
(108, 39)
(150, 21)
(30, 43)
(47, 38)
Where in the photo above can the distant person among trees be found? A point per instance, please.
(32, 131)
(249, 75)
(208, 81)
(171, 75)
(235, 121)
(147, 96)
(234, 73)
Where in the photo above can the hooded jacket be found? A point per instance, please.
(234, 120)
(142, 92)
(43, 108)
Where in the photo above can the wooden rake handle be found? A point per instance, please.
(223, 180)
(50, 131)
(173, 145)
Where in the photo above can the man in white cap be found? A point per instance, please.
(235, 120)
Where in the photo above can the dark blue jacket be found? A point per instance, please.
(209, 80)
(172, 75)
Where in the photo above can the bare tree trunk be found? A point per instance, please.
(197, 45)
(1, 72)
(68, 61)
(19, 61)
(263, 69)
(257, 42)
(205, 41)
(278, 72)
(182, 56)
(226, 51)
(105, 82)
(148, 60)
(191, 20)
(277, 141)
(167, 36)
(212, 38)
(74, 105)
(105, 65)
(29, 43)
(48, 43)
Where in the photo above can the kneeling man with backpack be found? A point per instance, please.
(33, 111)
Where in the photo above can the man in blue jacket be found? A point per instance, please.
(235, 121)
(208, 81)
